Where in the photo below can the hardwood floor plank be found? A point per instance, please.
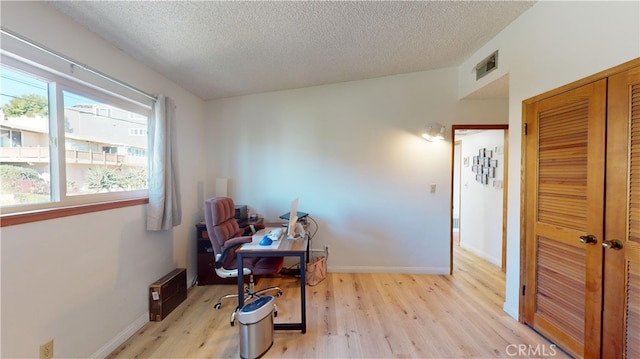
(356, 315)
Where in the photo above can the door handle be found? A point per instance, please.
(612, 244)
(588, 239)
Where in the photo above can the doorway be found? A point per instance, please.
(478, 195)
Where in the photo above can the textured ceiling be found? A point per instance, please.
(221, 49)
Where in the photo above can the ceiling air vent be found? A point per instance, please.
(487, 65)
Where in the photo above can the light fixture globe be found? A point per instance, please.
(433, 132)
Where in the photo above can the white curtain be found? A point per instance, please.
(165, 209)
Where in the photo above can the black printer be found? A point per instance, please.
(241, 213)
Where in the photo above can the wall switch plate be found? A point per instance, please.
(433, 188)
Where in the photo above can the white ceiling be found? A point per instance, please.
(221, 49)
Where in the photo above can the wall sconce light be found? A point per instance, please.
(433, 132)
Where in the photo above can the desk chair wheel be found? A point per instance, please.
(275, 310)
(217, 306)
(278, 293)
(233, 317)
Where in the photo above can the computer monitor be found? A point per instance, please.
(294, 228)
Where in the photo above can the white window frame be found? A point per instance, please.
(57, 84)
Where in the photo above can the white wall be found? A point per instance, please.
(552, 44)
(83, 280)
(481, 204)
(352, 154)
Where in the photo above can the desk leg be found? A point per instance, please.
(303, 293)
(302, 326)
(240, 281)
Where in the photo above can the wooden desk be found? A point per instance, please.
(287, 248)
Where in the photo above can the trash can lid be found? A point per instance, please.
(256, 310)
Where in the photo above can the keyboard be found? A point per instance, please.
(273, 233)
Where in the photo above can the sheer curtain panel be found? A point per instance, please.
(164, 209)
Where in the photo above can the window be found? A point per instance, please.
(101, 111)
(63, 143)
(10, 138)
(138, 132)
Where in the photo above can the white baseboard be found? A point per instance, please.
(405, 270)
(483, 255)
(122, 337)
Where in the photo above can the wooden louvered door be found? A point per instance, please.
(621, 315)
(582, 215)
(565, 173)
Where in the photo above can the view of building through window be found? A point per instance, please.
(104, 147)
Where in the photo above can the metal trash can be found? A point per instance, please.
(256, 327)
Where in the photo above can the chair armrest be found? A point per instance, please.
(228, 245)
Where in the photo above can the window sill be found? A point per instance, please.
(44, 214)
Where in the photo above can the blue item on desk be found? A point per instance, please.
(266, 241)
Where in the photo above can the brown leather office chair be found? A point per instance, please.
(225, 236)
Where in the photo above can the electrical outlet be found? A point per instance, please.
(46, 350)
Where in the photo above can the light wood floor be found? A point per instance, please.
(358, 316)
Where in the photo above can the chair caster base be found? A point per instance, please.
(233, 317)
